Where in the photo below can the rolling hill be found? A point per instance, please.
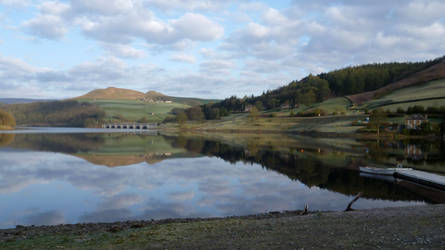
(112, 93)
(135, 106)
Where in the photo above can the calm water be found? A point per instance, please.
(59, 176)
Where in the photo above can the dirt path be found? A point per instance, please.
(407, 228)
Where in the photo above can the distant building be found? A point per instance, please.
(248, 108)
(415, 121)
(285, 107)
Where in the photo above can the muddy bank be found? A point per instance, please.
(406, 227)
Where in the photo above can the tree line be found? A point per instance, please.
(57, 113)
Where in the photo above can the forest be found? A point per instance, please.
(56, 113)
(313, 89)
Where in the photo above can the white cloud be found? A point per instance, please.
(53, 8)
(241, 42)
(217, 67)
(120, 21)
(197, 27)
(183, 58)
(124, 51)
(46, 26)
(187, 4)
(424, 11)
(105, 7)
(16, 3)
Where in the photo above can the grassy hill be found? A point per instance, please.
(112, 93)
(130, 105)
(427, 94)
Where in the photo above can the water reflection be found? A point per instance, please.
(68, 178)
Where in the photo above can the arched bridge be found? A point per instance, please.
(130, 125)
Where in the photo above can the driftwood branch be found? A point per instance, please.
(305, 211)
(348, 208)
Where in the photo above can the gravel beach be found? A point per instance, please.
(405, 227)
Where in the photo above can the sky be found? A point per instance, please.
(203, 48)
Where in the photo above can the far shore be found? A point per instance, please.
(401, 227)
(197, 128)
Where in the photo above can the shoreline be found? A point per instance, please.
(396, 227)
(307, 133)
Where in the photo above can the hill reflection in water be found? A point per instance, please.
(66, 178)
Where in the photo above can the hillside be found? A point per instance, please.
(58, 113)
(436, 71)
(358, 84)
(430, 94)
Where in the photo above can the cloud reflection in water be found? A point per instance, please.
(172, 188)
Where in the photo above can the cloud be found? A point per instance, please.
(123, 51)
(16, 3)
(121, 201)
(187, 4)
(239, 42)
(119, 21)
(46, 26)
(183, 58)
(217, 67)
(49, 23)
(123, 28)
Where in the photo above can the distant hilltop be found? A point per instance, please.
(112, 93)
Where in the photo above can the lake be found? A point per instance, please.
(58, 176)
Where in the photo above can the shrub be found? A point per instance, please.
(6, 119)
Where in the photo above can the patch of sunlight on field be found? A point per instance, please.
(338, 105)
(338, 127)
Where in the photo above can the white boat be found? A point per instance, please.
(382, 171)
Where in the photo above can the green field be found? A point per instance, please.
(406, 97)
(134, 110)
(339, 105)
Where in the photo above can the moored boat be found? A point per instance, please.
(382, 171)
